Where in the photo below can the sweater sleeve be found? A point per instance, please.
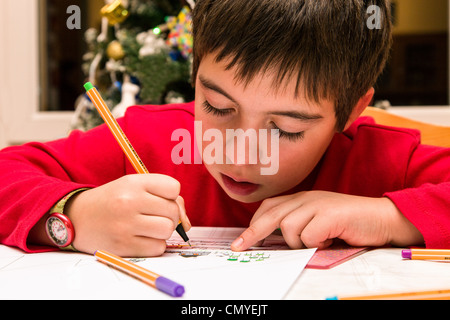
(33, 177)
(425, 200)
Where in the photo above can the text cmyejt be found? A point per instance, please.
(230, 309)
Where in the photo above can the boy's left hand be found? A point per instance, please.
(314, 218)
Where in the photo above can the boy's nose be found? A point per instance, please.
(241, 147)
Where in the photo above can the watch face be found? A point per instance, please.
(59, 229)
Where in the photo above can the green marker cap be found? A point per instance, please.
(88, 86)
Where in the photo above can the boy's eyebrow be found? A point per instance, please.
(298, 115)
(212, 86)
(303, 116)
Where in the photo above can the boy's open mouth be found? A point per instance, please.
(241, 188)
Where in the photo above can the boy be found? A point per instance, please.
(302, 67)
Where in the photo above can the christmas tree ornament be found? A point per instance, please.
(191, 3)
(90, 36)
(115, 12)
(115, 50)
(132, 41)
(129, 93)
(180, 35)
(85, 117)
(114, 67)
(151, 44)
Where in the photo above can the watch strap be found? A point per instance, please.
(59, 208)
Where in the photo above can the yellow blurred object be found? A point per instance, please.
(431, 134)
(115, 12)
(115, 50)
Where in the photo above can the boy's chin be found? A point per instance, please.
(258, 196)
(246, 199)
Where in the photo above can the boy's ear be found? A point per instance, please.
(360, 107)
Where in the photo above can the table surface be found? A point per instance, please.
(377, 271)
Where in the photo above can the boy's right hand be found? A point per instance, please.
(131, 216)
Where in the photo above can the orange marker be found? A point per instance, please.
(426, 254)
(123, 141)
(161, 283)
(112, 124)
(423, 295)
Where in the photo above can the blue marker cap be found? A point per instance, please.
(168, 286)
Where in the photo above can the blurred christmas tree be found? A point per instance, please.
(141, 55)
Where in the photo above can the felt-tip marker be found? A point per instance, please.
(419, 295)
(123, 141)
(426, 254)
(155, 280)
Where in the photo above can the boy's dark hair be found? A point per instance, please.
(326, 45)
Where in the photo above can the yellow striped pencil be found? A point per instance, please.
(426, 254)
(140, 273)
(421, 295)
(121, 138)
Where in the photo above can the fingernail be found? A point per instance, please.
(237, 243)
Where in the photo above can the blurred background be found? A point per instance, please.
(139, 52)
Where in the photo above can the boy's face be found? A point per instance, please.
(306, 130)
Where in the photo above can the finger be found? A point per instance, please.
(259, 243)
(154, 227)
(267, 205)
(304, 227)
(157, 206)
(142, 247)
(162, 186)
(255, 233)
(183, 216)
(268, 218)
(292, 225)
(319, 233)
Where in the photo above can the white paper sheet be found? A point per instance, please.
(214, 273)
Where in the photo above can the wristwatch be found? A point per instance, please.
(58, 226)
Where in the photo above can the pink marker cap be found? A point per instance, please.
(406, 254)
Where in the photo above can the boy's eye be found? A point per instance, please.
(291, 136)
(217, 112)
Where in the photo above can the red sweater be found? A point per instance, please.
(368, 160)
